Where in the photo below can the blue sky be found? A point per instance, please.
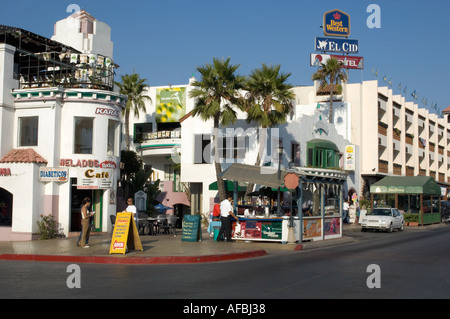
(164, 41)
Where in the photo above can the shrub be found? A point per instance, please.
(48, 227)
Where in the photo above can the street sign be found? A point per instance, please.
(336, 23)
(350, 62)
(291, 180)
(336, 45)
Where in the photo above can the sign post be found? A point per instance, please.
(291, 181)
(125, 235)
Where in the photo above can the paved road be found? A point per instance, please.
(412, 264)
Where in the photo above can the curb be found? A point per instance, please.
(135, 260)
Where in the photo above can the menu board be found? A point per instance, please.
(125, 235)
(191, 228)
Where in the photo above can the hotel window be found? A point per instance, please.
(84, 127)
(28, 131)
(113, 149)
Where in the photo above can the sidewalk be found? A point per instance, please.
(160, 249)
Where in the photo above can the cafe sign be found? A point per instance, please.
(95, 178)
(336, 23)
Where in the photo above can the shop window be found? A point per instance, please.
(84, 127)
(113, 148)
(28, 131)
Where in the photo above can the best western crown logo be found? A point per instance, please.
(336, 23)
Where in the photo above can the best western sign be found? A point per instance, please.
(336, 23)
(336, 45)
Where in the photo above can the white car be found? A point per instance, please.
(383, 219)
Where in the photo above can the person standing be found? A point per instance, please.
(226, 212)
(132, 209)
(345, 215)
(83, 239)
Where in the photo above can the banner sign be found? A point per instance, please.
(125, 235)
(336, 23)
(336, 45)
(50, 174)
(170, 104)
(350, 62)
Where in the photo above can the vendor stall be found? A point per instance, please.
(315, 205)
(417, 196)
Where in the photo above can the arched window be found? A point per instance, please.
(6, 200)
(322, 154)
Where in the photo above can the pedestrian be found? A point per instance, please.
(226, 212)
(132, 209)
(345, 214)
(83, 239)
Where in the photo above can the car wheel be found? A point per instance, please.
(391, 228)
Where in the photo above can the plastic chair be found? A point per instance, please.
(170, 227)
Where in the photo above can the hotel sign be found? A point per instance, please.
(350, 62)
(336, 23)
(336, 45)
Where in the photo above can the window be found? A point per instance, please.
(113, 149)
(141, 131)
(83, 135)
(295, 154)
(322, 154)
(202, 149)
(28, 131)
(232, 148)
(172, 173)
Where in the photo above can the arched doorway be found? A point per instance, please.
(6, 208)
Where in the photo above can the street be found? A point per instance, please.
(407, 264)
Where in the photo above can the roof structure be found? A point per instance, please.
(25, 155)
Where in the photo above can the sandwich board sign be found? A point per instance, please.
(191, 228)
(125, 235)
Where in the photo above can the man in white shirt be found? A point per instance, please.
(226, 212)
(132, 209)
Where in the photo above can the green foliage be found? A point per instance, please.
(411, 217)
(48, 227)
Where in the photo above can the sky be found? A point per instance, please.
(165, 41)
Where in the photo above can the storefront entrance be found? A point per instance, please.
(6, 200)
(77, 196)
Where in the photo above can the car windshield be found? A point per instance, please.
(380, 212)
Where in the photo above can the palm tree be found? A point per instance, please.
(216, 94)
(269, 100)
(132, 87)
(330, 73)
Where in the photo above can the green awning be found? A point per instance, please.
(406, 185)
(228, 186)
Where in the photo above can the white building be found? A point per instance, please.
(60, 133)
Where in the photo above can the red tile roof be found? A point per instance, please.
(25, 155)
(447, 110)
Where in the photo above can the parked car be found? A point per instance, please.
(445, 211)
(383, 219)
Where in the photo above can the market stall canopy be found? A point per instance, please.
(229, 186)
(260, 175)
(406, 185)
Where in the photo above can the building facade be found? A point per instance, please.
(60, 134)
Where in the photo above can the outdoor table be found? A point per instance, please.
(212, 225)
